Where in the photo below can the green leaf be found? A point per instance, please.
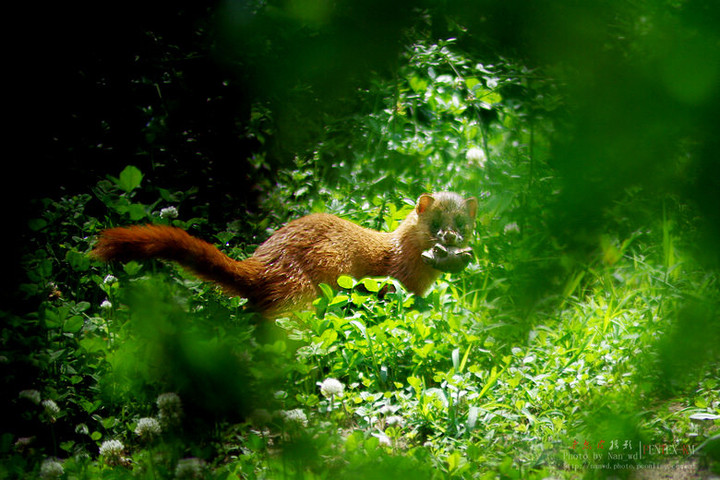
(81, 306)
(339, 300)
(357, 324)
(37, 224)
(328, 337)
(225, 237)
(255, 442)
(416, 383)
(41, 271)
(455, 462)
(472, 417)
(67, 446)
(54, 317)
(358, 299)
(456, 359)
(371, 444)
(465, 359)
(78, 261)
(89, 406)
(326, 291)
(353, 441)
(418, 84)
(130, 179)
(136, 212)
(346, 282)
(371, 285)
(471, 82)
(132, 268)
(109, 422)
(73, 324)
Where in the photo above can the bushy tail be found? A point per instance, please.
(170, 243)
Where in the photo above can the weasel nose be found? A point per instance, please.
(449, 238)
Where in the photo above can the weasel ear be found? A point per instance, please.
(424, 202)
(471, 204)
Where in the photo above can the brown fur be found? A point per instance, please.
(284, 272)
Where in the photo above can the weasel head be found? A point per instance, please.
(445, 223)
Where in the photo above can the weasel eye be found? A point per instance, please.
(435, 225)
(460, 222)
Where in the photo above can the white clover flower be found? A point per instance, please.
(385, 409)
(148, 428)
(189, 468)
(112, 451)
(294, 416)
(51, 468)
(384, 439)
(51, 408)
(476, 155)
(170, 408)
(106, 304)
(394, 420)
(32, 395)
(332, 388)
(511, 227)
(23, 442)
(168, 401)
(110, 279)
(168, 212)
